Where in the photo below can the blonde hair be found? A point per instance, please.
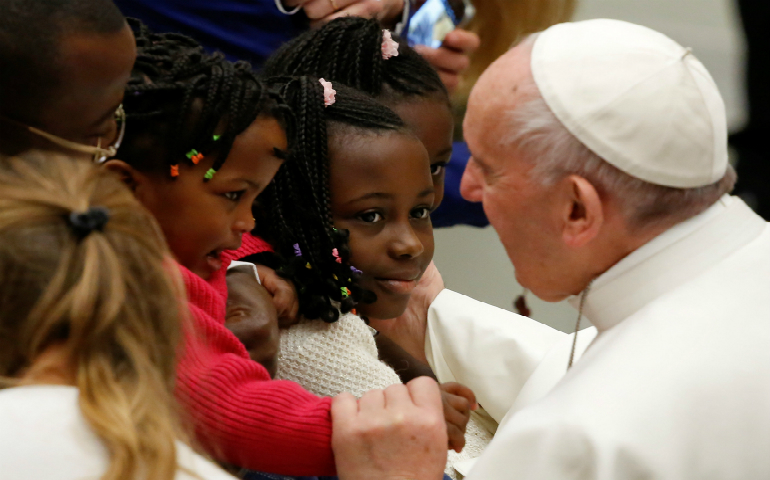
(109, 298)
(500, 24)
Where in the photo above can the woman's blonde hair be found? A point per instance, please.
(500, 24)
(109, 298)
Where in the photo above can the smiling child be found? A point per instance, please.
(369, 191)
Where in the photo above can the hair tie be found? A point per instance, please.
(389, 46)
(83, 223)
(329, 92)
(297, 250)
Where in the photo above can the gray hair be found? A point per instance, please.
(541, 139)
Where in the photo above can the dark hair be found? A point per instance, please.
(349, 50)
(178, 97)
(30, 39)
(298, 202)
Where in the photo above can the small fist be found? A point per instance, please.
(458, 401)
(284, 295)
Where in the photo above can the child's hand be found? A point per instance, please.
(252, 318)
(458, 402)
(284, 295)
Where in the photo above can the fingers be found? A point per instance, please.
(457, 412)
(365, 9)
(397, 397)
(462, 40)
(444, 59)
(321, 9)
(344, 411)
(456, 438)
(284, 295)
(372, 402)
(425, 393)
(461, 390)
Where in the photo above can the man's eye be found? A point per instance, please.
(370, 217)
(437, 168)
(234, 196)
(421, 213)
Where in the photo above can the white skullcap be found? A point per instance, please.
(636, 98)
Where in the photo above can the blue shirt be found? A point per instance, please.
(248, 30)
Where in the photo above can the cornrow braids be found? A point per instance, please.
(182, 102)
(298, 202)
(349, 50)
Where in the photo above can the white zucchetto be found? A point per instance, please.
(636, 98)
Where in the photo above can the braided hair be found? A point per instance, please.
(179, 97)
(349, 50)
(298, 201)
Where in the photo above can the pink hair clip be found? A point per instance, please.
(329, 92)
(389, 46)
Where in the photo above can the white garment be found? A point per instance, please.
(675, 386)
(328, 359)
(43, 435)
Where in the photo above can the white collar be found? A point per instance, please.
(670, 260)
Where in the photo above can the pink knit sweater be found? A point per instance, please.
(240, 415)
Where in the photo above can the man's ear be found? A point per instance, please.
(584, 216)
(124, 171)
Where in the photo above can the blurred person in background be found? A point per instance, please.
(499, 24)
(749, 142)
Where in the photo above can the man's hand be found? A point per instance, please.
(408, 330)
(252, 318)
(452, 58)
(284, 295)
(322, 11)
(396, 433)
(458, 402)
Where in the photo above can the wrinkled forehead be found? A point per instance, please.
(506, 84)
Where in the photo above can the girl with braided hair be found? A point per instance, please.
(203, 138)
(352, 211)
(358, 53)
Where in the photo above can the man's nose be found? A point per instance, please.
(471, 183)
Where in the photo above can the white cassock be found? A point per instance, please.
(676, 385)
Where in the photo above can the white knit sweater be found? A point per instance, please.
(328, 359)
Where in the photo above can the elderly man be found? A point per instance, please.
(599, 153)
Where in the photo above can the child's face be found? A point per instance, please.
(432, 122)
(200, 219)
(382, 192)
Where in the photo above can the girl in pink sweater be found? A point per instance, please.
(203, 139)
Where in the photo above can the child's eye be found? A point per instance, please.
(370, 217)
(234, 196)
(437, 168)
(421, 213)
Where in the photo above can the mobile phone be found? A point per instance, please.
(435, 19)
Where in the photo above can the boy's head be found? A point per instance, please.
(65, 67)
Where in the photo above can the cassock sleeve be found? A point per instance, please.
(490, 350)
(556, 449)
